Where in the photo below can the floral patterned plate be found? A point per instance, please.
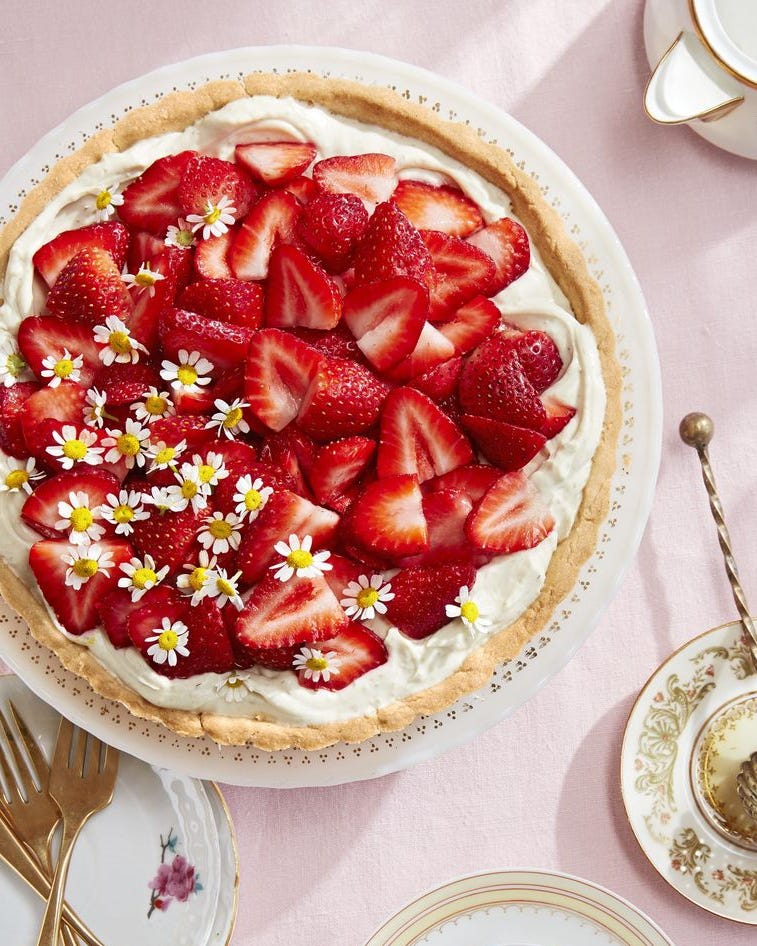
(158, 866)
(692, 725)
(519, 908)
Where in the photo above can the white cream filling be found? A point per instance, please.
(506, 586)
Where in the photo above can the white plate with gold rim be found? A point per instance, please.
(519, 908)
(692, 725)
(161, 829)
(632, 485)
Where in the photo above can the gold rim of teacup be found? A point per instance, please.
(724, 64)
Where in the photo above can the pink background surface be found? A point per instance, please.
(541, 789)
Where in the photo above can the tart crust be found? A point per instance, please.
(372, 105)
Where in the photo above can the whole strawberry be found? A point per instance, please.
(331, 225)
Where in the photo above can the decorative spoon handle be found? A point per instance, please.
(696, 430)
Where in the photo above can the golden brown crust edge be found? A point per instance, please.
(566, 264)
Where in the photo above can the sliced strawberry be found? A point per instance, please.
(338, 341)
(50, 259)
(387, 318)
(76, 610)
(117, 606)
(505, 445)
(356, 649)
(126, 383)
(391, 246)
(432, 349)
(506, 242)
(471, 324)
(438, 207)
(278, 372)
(446, 512)
(190, 427)
(40, 509)
(421, 595)
(343, 399)
(273, 658)
(223, 344)
(150, 307)
(461, 272)
(388, 517)
(227, 300)
(12, 410)
(304, 189)
(371, 176)
(207, 180)
(472, 480)
(269, 473)
(151, 202)
(168, 536)
(558, 415)
(343, 571)
(271, 221)
(493, 384)
(275, 162)
(331, 225)
(299, 292)
(538, 355)
(511, 517)
(338, 465)
(89, 288)
(292, 452)
(143, 247)
(440, 382)
(211, 259)
(47, 408)
(282, 613)
(418, 438)
(227, 387)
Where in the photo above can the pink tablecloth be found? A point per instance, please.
(541, 789)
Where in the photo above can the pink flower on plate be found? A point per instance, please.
(175, 880)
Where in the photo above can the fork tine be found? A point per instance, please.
(10, 780)
(32, 747)
(24, 775)
(110, 762)
(63, 744)
(81, 748)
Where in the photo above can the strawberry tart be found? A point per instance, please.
(308, 410)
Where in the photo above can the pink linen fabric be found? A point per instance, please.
(541, 789)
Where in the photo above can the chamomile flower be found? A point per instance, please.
(94, 408)
(77, 517)
(251, 496)
(154, 405)
(118, 344)
(16, 475)
(107, 201)
(163, 457)
(190, 374)
(141, 575)
(211, 470)
(198, 576)
(13, 367)
(234, 687)
(84, 562)
(224, 588)
(180, 235)
(129, 444)
(220, 533)
(161, 498)
(468, 611)
(72, 446)
(299, 560)
(229, 418)
(65, 368)
(123, 509)
(188, 491)
(365, 598)
(144, 278)
(315, 665)
(216, 219)
(168, 640)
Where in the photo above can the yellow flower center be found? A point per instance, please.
(189, 489)
(225, 587)
(128, 445)
(74, 449)
(120, 342)
(197, 578)
(165, 455)
(145, 278)
(299, 558)
(206, 472)
(81, 519)
(212, 216)
(103, 200)
(184, 237)
(252, 500)
(14, 365)
(168, 640)
(63, 368)
(85, 567)
(367, 597)
(186, 375)
(233, 418)
(220, 529)
(123, 514)
(16, 479)
(316, 663)
(155, 405)
(233, 683)
(143, 576)
(469, 611)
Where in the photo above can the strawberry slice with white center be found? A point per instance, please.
(471, 324)
(473, 480)
(446, 512)
(272, 220)
(49, 409)
(211, 258)
(151, 202)
(421, 595)
(275, 162)
(371, 176)
(431, 349)
(206, 181)
(344, 398)
(338, 465)
(418, 438)
(50, 259)
(391, 246)
(388, 517)
(387, 318)
(89, 288)
(12, 410)
(355, 651)
(278, 372)
(227, 300)
(44, 336)
(283, 613)
(223, 344)
(292, 453)
(40, 510)
(76, 609)
(299, 292)
(304, 189)
(510, 517)
(461, 272)
(507, 446)
(438, 207)
(117, 606)
(558, 415)
(506, 242)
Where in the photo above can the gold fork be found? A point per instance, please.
(82, 779)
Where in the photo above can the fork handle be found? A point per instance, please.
(48, 934)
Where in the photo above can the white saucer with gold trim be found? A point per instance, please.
(690, 729)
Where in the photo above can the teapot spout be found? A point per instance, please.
(687, 84)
